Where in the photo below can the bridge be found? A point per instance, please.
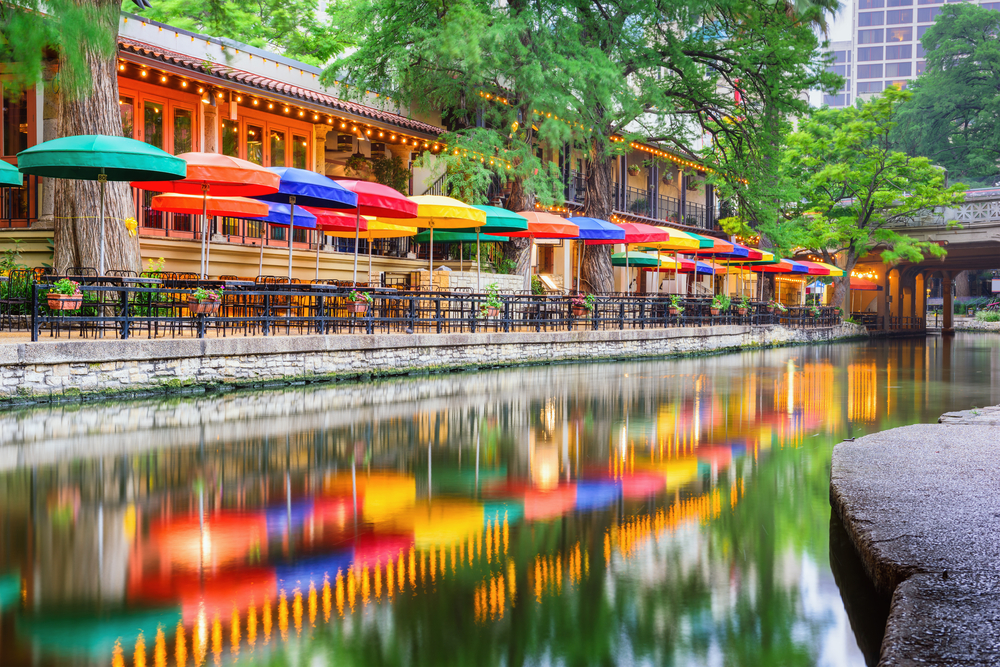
(974, 246)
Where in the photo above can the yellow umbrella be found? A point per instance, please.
(834, 271)
(377, 229)
(447, 213)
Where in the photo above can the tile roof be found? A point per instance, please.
(215, 70)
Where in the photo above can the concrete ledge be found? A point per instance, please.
(54, 370)
(921, 507)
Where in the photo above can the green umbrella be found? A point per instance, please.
(93, 632)
(633, 258)
(9, 175)
(101, 158)
(457, 237)
(498, 220)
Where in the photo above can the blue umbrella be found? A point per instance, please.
(281, 216)
(704, 267)
(594, 494)
(307, 188)
(594, 229)
(313, 569)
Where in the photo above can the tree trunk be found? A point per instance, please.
(597, 203)
(518, 250)
(842, 284)
(77, 208)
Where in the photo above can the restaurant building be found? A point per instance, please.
(183, 91)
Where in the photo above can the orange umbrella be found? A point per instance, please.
(220, 176)
(239, 207)
(543, 225)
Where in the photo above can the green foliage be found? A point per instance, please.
(952, 116)
(587, 302)
(391, 171)
(492, 300)
(721, 301)
(537, 287)
(675, 303)
(744, 302)
(851, 190)
(988, 316)
(358, 296)
(65, 286)
(10, 259)
(32, 30)
(201, 295)
(295, 28)
(154, 267)
(506, 266)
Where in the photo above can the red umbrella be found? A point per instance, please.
(637, 232)
(379, 201)
(328, 218)
(543, 225)
(220, 176)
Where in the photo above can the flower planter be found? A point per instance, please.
(203, 307)
(741, 311)
(674, 311)
(715, 311)
(580, 311)
(64, 301)
(358, 307)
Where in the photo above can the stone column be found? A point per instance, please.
(211, 128)
(948, 326)
(50, 130)
(882, 303)
(319, 147)
(920, 297)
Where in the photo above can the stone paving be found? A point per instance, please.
(922, 507)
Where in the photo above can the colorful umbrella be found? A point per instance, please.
(459, 237)
(714, 245)
(814, 268)
(864, 285)
(543, 225)
(9, 175)
(328, 218)
(97, 157)
(379, 201)
(376, 229)
(237, 207)
(634, 258)
(498, 220)
(434, 211)
(280, 215)
(219, 176)
(307, 188)
(594, 229)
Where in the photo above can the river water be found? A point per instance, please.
(670, 512)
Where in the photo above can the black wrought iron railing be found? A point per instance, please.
(166, 310)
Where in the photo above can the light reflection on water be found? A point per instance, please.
(661, 512)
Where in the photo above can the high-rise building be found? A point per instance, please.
(885, 48)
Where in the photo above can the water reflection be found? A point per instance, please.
(659, 512)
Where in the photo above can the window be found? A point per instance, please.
(899, 83)
(870, 4)
(899, 3)
(927, 14)
(899, 34)
(899, 52)
(868, 87)
(920, 67)
(833, 100)
(870, 36)
(277, 148)
(897, 69)
(840, 70)
(300, 152)
(869, 53)
(182, 130)
(230, 138)
(929, 2)
(991, 5)
(15, 124)
(920, 50)
(152, 129)
(866, 19)
(255, 144)
(870, 71)
(126, 105)
(897, 16)
(841, 56)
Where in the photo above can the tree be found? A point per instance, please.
(953, 116)
(296, 28)
(83, 33)
(854, 190)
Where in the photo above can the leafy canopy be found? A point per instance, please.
(953, 116)
(854, 191)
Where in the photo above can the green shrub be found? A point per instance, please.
(988, 316)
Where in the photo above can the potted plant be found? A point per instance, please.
(675, 307)
(491, 307)
(776, 307)
(204, 301)
(583, 305)
(633, 169)
(65, 295)
(693, 185)
(359, 302)
(720, 302)
(667, 178)
(814, 311)
(743, 306)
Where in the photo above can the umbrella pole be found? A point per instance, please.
(319, 237)
(430, 265)
(628, 274)
(291, 233)
(479, 266)
(579, 266)
(357, 235)
(461, 267)
(658, 260)
(102, 180)
(263, 240)
(204, 231)
(369, 262)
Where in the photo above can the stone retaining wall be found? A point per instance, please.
(53, 370)
(972, 324)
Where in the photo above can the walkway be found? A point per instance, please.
(921, 507)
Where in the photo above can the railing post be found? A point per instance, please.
(125, 313)
(34, 312)
(437, 312)
(621, 314)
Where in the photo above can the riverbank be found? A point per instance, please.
(75, 370)
(920, 507)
